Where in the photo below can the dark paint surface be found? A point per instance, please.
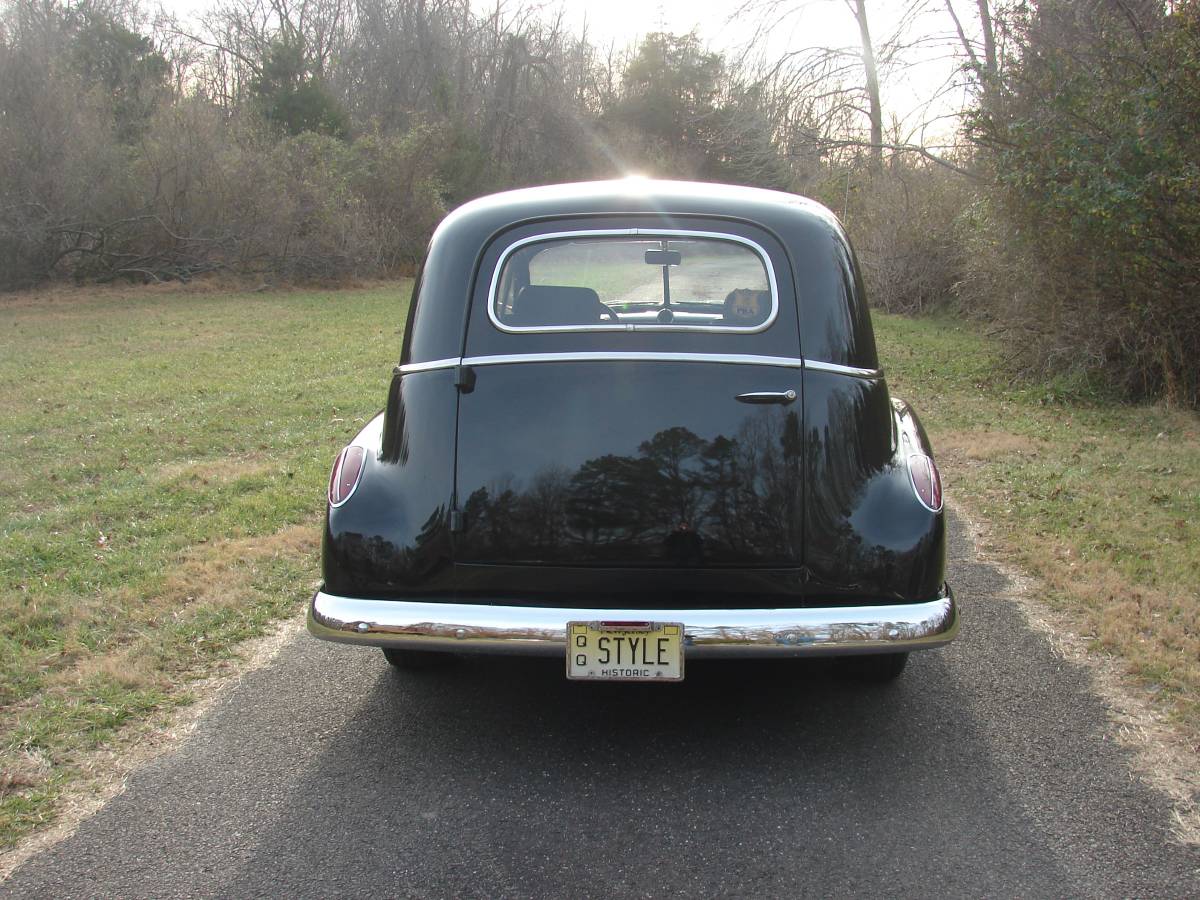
(677, 497)
(868, 534)
(630, 463)
(638, 483)
(392, 537)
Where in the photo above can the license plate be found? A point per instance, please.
(625, 651)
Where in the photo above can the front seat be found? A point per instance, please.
(551, 304)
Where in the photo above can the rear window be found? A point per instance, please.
(634, 281)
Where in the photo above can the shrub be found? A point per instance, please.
(904, 224)
(1090, 250)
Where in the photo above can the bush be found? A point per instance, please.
(904, 224)
(397, 178)
(203, 191)
(1089, 253)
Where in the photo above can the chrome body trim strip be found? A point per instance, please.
(430, 366)
(639, 356)
(634, 356)
(629, 326)
(817, 366)
(541, 631)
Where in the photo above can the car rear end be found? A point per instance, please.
(628, 460)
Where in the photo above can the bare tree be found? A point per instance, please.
(841, 88)
(987, 70)
(867, 49)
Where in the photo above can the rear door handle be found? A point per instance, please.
(767, 397)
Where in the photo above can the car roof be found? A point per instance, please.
(832, 308)
(641, 196)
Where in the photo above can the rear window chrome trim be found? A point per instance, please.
(745, 359)
(758, 249)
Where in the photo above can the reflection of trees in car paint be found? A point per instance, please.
(370, 563)
(683, 501)
(866, 533)
(697, 501)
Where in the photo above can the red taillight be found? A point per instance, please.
(926, 482)
(344, 478)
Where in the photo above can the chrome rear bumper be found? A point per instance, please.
(541, 631)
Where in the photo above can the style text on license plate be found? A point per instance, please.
(625, 651)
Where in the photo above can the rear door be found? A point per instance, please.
(631, 400)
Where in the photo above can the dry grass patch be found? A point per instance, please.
(223, 470)
(22, 771)
(207, 579)
(985, 444)
(77, 296)
(72, 297)
(1155, 632)
(110, 634)
(223, 573)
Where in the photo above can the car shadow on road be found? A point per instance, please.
(497, 776)
(718, 701)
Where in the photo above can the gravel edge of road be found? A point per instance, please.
(112, 766)
(1159, 754)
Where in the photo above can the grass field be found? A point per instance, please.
(1100, 501)
(166, 456)
(163, 474)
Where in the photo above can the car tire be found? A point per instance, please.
(876, 668)
(402, 658)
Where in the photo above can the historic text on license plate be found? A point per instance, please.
(625, 651)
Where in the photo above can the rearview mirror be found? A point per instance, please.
(663, 257)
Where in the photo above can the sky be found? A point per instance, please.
(735, 28)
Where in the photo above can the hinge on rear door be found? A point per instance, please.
(464, 379)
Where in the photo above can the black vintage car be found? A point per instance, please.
(636, 423)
